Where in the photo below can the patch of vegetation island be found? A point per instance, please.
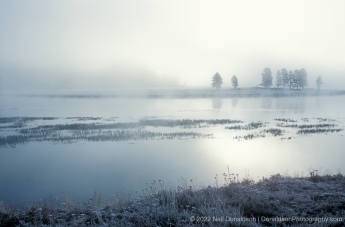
(325, 119)
(261, 134)
(250, 126)
(285, 120)
(119, 131)
(318, 130)
(306, 126)
(186, 122)
(13, 126)
(85, 118)
(273, 131)
(4, 120)
(72, 134)
(66, 133)
(283, 200)
(80, 126)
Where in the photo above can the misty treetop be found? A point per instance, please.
(300, 79)
(266, 78)
(217, 81)
(285, 77)
(279, 79)
(234, 81)
(319, 82)
(296, 79)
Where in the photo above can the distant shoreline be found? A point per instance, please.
(181, 93)
(246, 92)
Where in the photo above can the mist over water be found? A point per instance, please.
(38, 169)
(49, 46)
(109, 97)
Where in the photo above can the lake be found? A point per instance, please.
(72, 146)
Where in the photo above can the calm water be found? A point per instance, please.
(76, 170)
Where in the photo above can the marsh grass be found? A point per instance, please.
(85, 118)
(274, 131)
(325, 119)
(95, 136)
(250, 126)
(162, 205)
(4, 120)
(286, 120)
(318, 130)
(186, 123)
(17, 130)
(119, 131)
(304, 126)
(308, 129)
(262, 134)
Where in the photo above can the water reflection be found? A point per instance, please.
(266, 103)
(234, 102)
(217, 103)
(295, 105)
(317, 101)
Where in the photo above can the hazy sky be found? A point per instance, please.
(106, 44)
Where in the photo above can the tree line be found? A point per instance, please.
(297, 79)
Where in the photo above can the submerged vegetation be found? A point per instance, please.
(185, 123)
(85, 118)
(307, 126)
(119, 131)
(313, 131)
(49, 134)
(250, 126)
(21, 130)
(23, 119)
(285, 119)
(261, 134)
(274, 131)
(317, 200)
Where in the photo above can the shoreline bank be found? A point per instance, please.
(276, 200)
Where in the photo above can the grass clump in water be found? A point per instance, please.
(186, 123)
(250, 126)
(317, 130)
(273, 131)
(304, 126)
(286, 120)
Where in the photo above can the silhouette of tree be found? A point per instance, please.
(217, 81)
(285, 77)
(319, 82)
(291, 79)
(234, 81)
(266, 78)
(303, 80)
(298, 79)
(279, 79)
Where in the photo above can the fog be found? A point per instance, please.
(117, 44)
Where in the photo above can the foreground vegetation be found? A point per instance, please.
(274, 201)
